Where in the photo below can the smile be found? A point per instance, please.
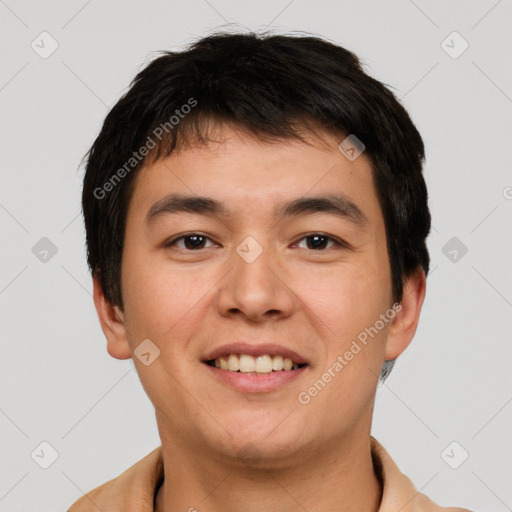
(263, 364)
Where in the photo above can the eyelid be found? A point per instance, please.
(177, 238)
(339, 242)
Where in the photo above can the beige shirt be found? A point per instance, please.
(135, 489)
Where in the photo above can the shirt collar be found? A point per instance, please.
(135, 489)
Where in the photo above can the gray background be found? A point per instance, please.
(60, 385)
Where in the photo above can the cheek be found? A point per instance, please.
(344, 306)
(160, 299)
(163, 306)
(345, 299)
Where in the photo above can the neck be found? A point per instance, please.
(340, 477)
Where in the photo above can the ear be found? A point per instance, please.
(403, 326)
(112, 323)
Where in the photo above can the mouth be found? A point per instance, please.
(259, 365)
(255, 368)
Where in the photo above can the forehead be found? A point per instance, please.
(245, 175)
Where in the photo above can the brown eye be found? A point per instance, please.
(318, 241)
(192, 242)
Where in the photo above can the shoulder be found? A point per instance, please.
(424, 504)
(398, 491)
(133, 490)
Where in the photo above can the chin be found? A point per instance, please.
(259, 436)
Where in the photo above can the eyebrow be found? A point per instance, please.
(339, 205)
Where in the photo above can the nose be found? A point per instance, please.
(256, 287)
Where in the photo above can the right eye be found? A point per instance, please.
(192, 242)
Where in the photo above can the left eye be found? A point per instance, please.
(318, 241)
(192, 242)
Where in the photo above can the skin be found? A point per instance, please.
(315, 301)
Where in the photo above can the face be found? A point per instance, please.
(286, 257)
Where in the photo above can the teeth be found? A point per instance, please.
(248, 364)
(277, 363)
(233, 363)
(263, 364)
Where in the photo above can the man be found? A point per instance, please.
(256, 218)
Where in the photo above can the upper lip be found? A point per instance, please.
(255, 350)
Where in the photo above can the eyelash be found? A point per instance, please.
(336, 241)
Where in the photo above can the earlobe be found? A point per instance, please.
(403, 326)
(112, 322)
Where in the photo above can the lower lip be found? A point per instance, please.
(261, 383)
